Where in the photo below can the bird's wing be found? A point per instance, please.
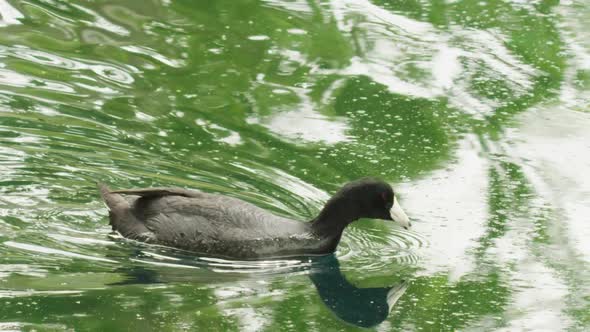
(160, 191)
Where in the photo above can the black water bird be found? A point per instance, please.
(222, 226)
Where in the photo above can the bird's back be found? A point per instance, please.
(205, 223)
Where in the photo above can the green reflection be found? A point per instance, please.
(278, 103)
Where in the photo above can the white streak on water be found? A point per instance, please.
(8, 14)
(182, 266)
(51, 251)
(390, 43)
(452, 204)
(101, 22)
(558, 168)
(154, 55)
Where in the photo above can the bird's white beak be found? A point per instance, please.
(398, 215)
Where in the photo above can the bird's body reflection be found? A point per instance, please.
(364, 307)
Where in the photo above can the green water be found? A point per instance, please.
(476, 111)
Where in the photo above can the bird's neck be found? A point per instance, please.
(338, 213)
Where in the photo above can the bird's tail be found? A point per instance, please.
(112, 200)
(116, 204)
(120, 218)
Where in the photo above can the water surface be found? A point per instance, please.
(476, 111)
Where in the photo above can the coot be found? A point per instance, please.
(217, 225)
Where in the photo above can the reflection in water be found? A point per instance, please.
(8, 14)
(363, 307)
(460, 211)
(306, 125)
(478, 107)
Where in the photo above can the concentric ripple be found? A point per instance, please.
(178, 259)
(377, 249)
